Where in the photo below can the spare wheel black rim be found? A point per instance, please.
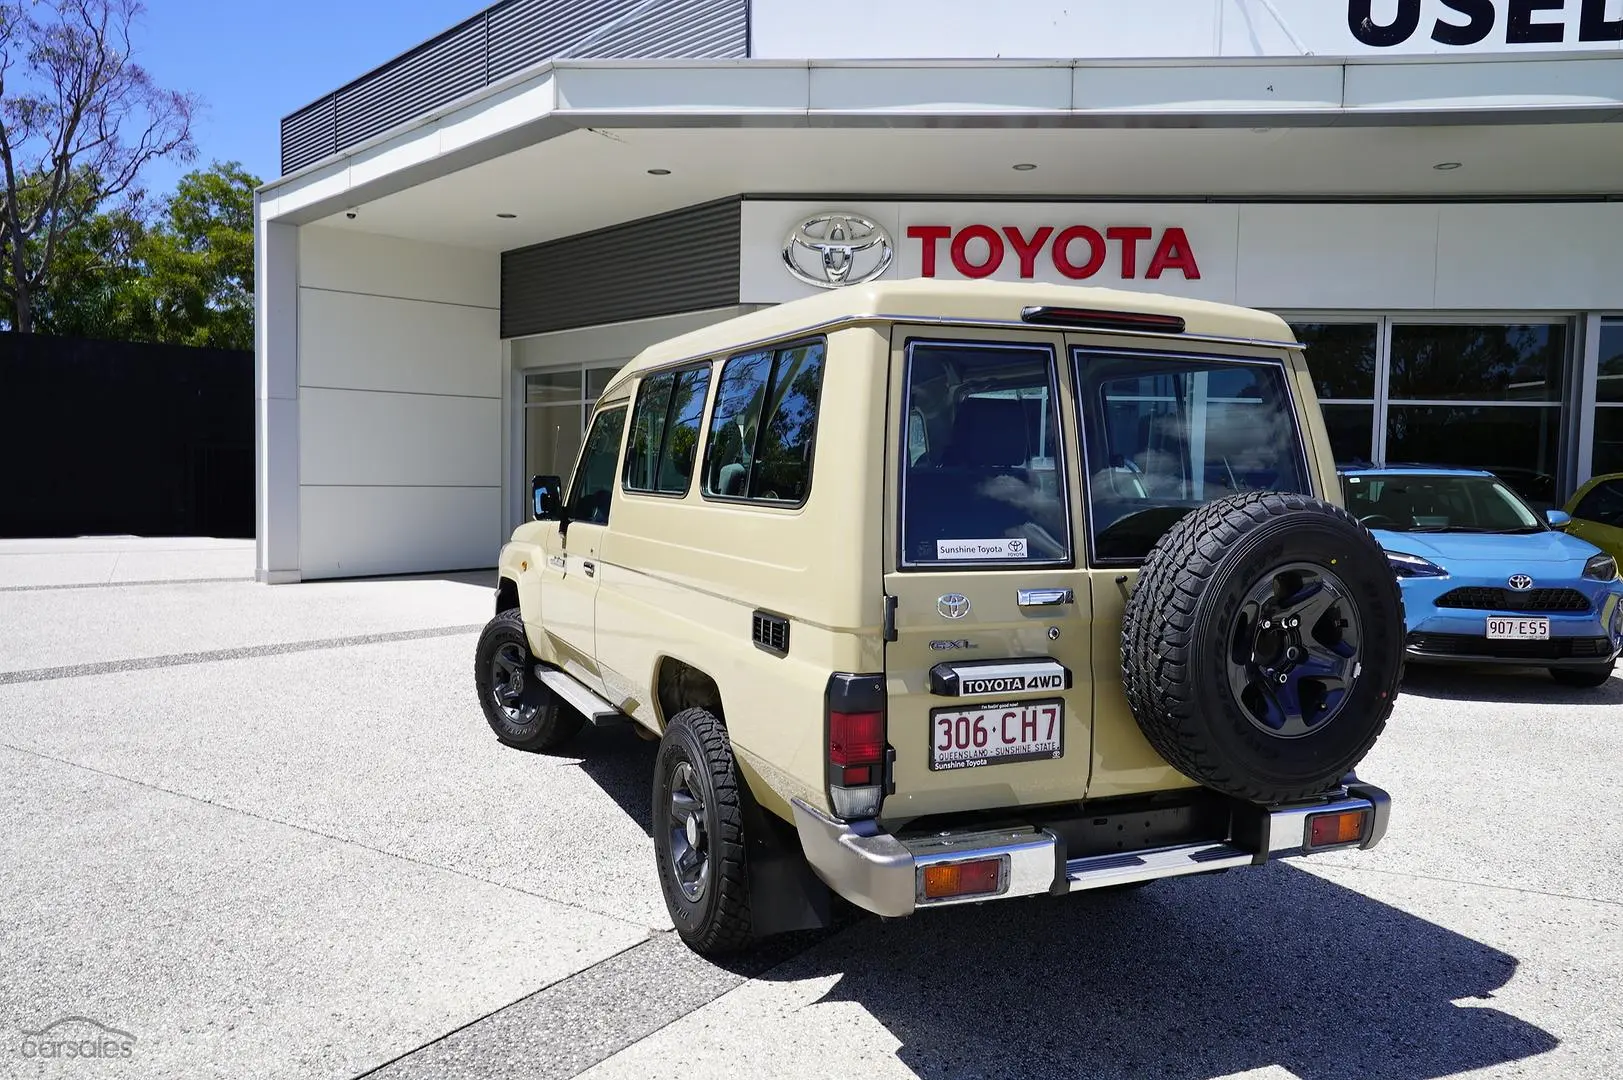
(690, 838)
(1294, 651)
(515, 689)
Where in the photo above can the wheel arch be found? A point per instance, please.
(679, 685)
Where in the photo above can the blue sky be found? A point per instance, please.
(253, 64)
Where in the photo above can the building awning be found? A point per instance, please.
(575, 145)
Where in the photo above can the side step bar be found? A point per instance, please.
(598, 712)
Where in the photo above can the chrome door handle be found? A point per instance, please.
(1045, 597)
(589, 567)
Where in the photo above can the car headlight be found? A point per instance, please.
(1405, 565)
(1601, 568)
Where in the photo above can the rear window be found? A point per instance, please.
(982, 482)
(1166, 434)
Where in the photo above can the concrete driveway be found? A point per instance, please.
(264, 832)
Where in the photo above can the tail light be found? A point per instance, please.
(1333, 830)
(856, 752)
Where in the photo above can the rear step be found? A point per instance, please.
(598, 713)
(1119, 868)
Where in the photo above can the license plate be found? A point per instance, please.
(1519, 629)
(996, 734)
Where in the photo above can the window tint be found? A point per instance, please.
(1603, 504)
(1165, 436)
(1437, 504)
(981, 484)
(1478, 363)
(665, 431)
(593, 488)
(764, 425)
(648, 431)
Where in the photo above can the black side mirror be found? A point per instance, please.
(546, 498)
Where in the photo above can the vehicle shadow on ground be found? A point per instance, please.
(621, 763)
(1183, 980)
(1518, 686)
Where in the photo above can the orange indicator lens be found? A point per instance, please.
(961, 879)
(1328, 830)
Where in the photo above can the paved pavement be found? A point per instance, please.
(265, 832)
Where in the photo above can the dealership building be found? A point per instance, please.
(469, 241)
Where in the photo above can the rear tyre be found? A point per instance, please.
(699, 835)
(1262, 646)
(1585, 677)
(520, 709)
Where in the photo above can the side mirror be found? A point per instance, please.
(1558, 519)
(546, 498)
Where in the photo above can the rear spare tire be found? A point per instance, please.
(1262, 645)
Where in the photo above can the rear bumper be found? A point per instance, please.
(883, 873)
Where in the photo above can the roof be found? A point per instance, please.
(1407, 469)
(929, 299)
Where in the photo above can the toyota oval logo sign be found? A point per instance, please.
(837, 248)
(1521, 582)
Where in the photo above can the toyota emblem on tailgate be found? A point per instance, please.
(1521, 582)
(834, 249)
(953, 606)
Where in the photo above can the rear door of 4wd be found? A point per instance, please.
(989, 677)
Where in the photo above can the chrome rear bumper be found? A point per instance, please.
(884, 874)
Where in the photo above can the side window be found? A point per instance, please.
(593, 488)
(665, 431)
(1603, 504)
(764, 426)
(1165, 435)
(988, 489)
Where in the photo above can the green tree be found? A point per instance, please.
(196, 280)
(79, 120)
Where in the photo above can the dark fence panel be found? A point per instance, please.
(105, 437)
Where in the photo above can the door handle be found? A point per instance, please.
(1045, 597)
(590, 567)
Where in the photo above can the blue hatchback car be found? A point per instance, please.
(1485, 579)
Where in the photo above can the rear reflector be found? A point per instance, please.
(1329, 830)
(974, 878)
(856, 738)
(1106, 320)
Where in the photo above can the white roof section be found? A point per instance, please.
(567, 146)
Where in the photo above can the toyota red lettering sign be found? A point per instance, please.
(1077, 252)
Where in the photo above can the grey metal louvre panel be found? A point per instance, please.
(309, 134)
(679, 29)
(528, 32)
(440, 72)
(666, 265)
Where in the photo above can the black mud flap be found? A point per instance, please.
(785, 894)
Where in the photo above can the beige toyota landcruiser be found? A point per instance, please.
(937, 593)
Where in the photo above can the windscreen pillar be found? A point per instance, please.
(276, 401)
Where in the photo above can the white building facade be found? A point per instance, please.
(470, 240)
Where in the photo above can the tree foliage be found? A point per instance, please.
(180, 273)
(79, 120)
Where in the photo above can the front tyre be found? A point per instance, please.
(1587, 678)
(520, 709)
(699, 834)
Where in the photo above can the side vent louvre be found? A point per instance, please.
(771, 632)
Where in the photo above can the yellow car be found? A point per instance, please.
(1596, 509)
